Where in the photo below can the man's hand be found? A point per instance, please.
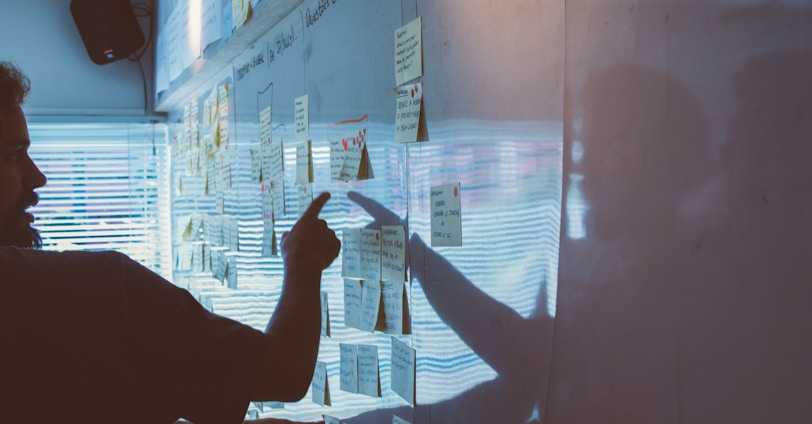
(311, 242)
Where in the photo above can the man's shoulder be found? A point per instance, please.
(37, 261)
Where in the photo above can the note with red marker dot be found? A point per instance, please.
(409, 101)
(446, 219)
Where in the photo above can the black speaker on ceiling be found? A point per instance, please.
(109, 29)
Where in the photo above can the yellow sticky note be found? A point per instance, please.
(408, 52)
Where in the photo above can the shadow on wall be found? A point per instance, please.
(696, 293)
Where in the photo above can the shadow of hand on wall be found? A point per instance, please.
(515, 347)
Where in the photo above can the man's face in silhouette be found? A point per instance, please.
(19, 177)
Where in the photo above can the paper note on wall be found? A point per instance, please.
(403, 366)
(349, 367)
(370, 304)
(351, 253)
(278, 178)
(325, 315)
(393, 253)
(409, 101)
(304, 163)
(222, 100)
(301, 117)
(256, 166)
(353, 293)
(320, 385)
(370, 254)
(446, 221)
(265, 131)
(408, 52)
(396, 317)
(369, 382)
(240, 12)
(347, 157)
(305, 194)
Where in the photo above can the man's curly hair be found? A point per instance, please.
(14, 85)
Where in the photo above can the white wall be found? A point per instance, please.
(41, 37)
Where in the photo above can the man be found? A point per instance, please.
(92, 337)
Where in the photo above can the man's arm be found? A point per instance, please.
(293, 332)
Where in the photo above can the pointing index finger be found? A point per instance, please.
(312, 211)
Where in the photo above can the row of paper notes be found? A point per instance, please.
(359, 372)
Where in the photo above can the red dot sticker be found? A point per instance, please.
(377, 236)
(416, 88)
(344, 142)
(413, 92)
(456, 191)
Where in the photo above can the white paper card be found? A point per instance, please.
(446, 222)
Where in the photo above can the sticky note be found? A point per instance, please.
(240, 12)
(396, 317)
(231, 272)
(408, 52)
(446, 222)
(268, 238)
(369, 382)
(347, 154)
(320, 387)
(304, 163)
(409, 101)
(351, 253)
(265, 126)
(349, 367)
(370, 254)
(305, 194)
(301, 117)
(278, 178)
(266, 153)
(370, 304)
(393, 253)
(234, 237)
(403, 366)
(325, 315)
(222, 100)
(256, 166)
(353, 293)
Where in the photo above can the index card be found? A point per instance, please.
(325, 315)
(370, 254)
(395, 308)
(407, 115)
(321, 392)
(370, 304)
(301, 117)
(403, 363)
(349, 367)
(446, 222)
(305, 195)
(408, 52)
(265, 126)
(369, 382)
(393, 253)
(304, 163)
(278, 178)
(351, 253)
(353, 293)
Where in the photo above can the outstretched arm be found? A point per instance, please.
(293, 332)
